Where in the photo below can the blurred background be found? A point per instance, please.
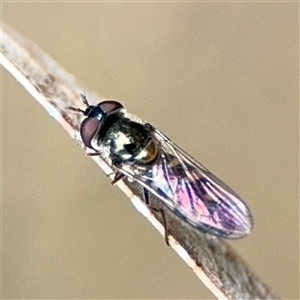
(220, 79)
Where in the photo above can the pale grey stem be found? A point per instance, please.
(219, 267)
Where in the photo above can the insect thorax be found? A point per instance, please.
(127, 141)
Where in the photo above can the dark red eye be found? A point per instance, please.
(110, 106)
(88, 130)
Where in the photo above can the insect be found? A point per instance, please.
(139, 151)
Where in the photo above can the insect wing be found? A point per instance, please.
(192, 192)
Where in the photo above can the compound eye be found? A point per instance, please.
(110, 106)
(88, 130)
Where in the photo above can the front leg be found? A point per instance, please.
(92, 153)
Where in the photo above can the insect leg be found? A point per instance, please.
(118, 176)
(92, 153)
(116, 162)
(161, 211)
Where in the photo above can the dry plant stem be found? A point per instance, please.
(218, 266)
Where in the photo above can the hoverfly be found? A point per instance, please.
(142, 153)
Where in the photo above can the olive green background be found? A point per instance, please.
(220, 79)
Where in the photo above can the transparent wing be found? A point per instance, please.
(192, 192)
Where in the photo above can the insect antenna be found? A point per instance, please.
(77, 109)
(84, 101)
